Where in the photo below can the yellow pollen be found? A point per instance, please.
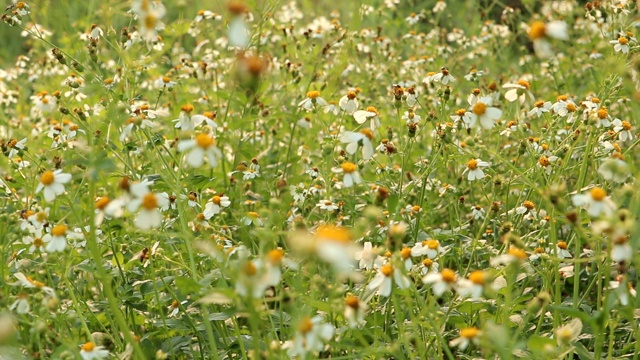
(38, 243)
(469, 333)
(539, 103)
(352, 302)
(524, 83)
(562, 245)
(204, 140)
(415, 208)
(571, 107)
(405, 253)
(216, 200)
(166, 79)
(253, 214)
(150, 21)
(461, 112)
(89, 346)
(102, 202)
(626, 125)
(349, 167)
(372, 109)
(598, 194)
(313, 94)
(623, 40)
(368, 133)
(448, 275)
(427, 262)
(351, 95)
(386, 270)
(59, 230)
(47, 178)
(472, 164)
(305, 326)
(186, 108)
(544, 161)
(562, 98)
(150, 201)
(479, 108)
(538, 30)
(529, 205)
(431, 244)
(477, 277)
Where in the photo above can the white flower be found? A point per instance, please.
(311, 336)
(349, 103)
(367, 256)
(313, 98)
(202, 147)
(614, 169)
(623, 128)
(252, 218)
(149, 205)
(622, 251)
(327, 205)
(482, 111)
(355, 139)
(621, 44)
(410, 117)
(215, 205)
(539, 32)
(540, 108)
(354, 311)
(518, 91)
(441, 282)
(52, 183)
(382, 281)
(56, 241)
(431, 248)
(371, 113)
(90, 351)
(561, 250)
(467, 336)
(351, 175)
(443, 77)
(21, 305)
(596, 202)
(474, 168)
(238, 33)
(149, 13)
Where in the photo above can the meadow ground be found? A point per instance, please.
(269, 179)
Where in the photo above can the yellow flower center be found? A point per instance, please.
(47, 178)
(524, 83)
(427, 262)
(461, 112)
(89, 346)
(562, 98)
(333, 233)
(405, 253)
(166, 79)
(349, 167)
(626, 125)
(431, 244)
(150, 21)
(368, 133)
(351, 95)
(249, 268)
(186, 108)
(479, 108)
(313, 94)
(562, 245)
(275, 256)
(305, 326)
(602, 113)
(216, 200)
(571, 107)
(472, 164)
(544, 161)
(539, 103)
(372, 109)
(529, 205)
(150, 201)
(469, 333)
(448, 275)
(102, 202)
(37, 242)
(253, 214)
(538, 30)
(204, 140)
(59, 230)
(517, 253)
(477, 277)
(598, 194)
(352, 302)
(623, 40)
(386, 270)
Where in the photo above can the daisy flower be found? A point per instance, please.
(52, 183)
(149, 14)
(89, 351)
(614, 169)
(215, 205)
(540, 107)
(349, 103)
(539, 33)
(467, 336)
(311, 335)
(371, 114)
(148, 204)
(328, 205)
(482, 111)
(356, 139)
(382, 282)
(202, 147)
(623, 129)
(561, 250)
(351, 175)
(596, 202)
(367, 256)
(313, 98)
(354, 311)
(621, 44)
(474, 168)
(518, 91)
(441, 282)
(21, 304)
(252, 218)
(443, 77)
(431, 248)
(56, 241)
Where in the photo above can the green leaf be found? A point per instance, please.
(187, 285)
(541, 344)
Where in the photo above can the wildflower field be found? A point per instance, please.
(275, 179)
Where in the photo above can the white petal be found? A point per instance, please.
(238, 32)
(195, 158)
